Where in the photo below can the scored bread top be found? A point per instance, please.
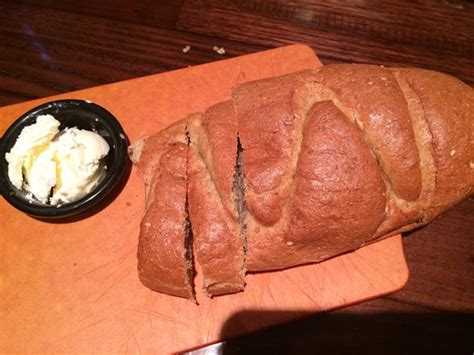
(385, 123)
(331, 159)
(396, 129)
(218, 147)
(339, 192)
(266, 127)
(448, 106)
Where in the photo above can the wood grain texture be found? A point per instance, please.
(163, 14)
(434, 35)
(441, 259)
(41, 57)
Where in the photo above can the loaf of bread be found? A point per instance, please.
(300, 168)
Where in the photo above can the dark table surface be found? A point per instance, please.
(48, 47)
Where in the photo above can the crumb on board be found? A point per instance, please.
(186, 49)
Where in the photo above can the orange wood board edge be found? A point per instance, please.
(74, 286)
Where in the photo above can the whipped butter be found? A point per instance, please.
(56, 167)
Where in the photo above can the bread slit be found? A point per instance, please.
(238, 189)
(447, 113)
(188, 232)
(218, 245)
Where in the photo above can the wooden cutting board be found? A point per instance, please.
(74, 286)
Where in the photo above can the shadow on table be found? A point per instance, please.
(335, 333)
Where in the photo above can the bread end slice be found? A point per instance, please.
(165, 257)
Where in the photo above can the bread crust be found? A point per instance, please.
(218, 148)
(333, 159)
(337, 199)
(218, 244)
(146, 152)
(385, 123)
(406, 103)
(448, 105)
(164, 263)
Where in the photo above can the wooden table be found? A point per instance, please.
(49, 47)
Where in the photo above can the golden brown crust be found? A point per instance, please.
(218, 245)
(338, 198)
(162, 262)
(383, 116)
(146, 152)
(448, 105)
(400, 139)
(267, 124)
(219, 148)
(333, 159)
